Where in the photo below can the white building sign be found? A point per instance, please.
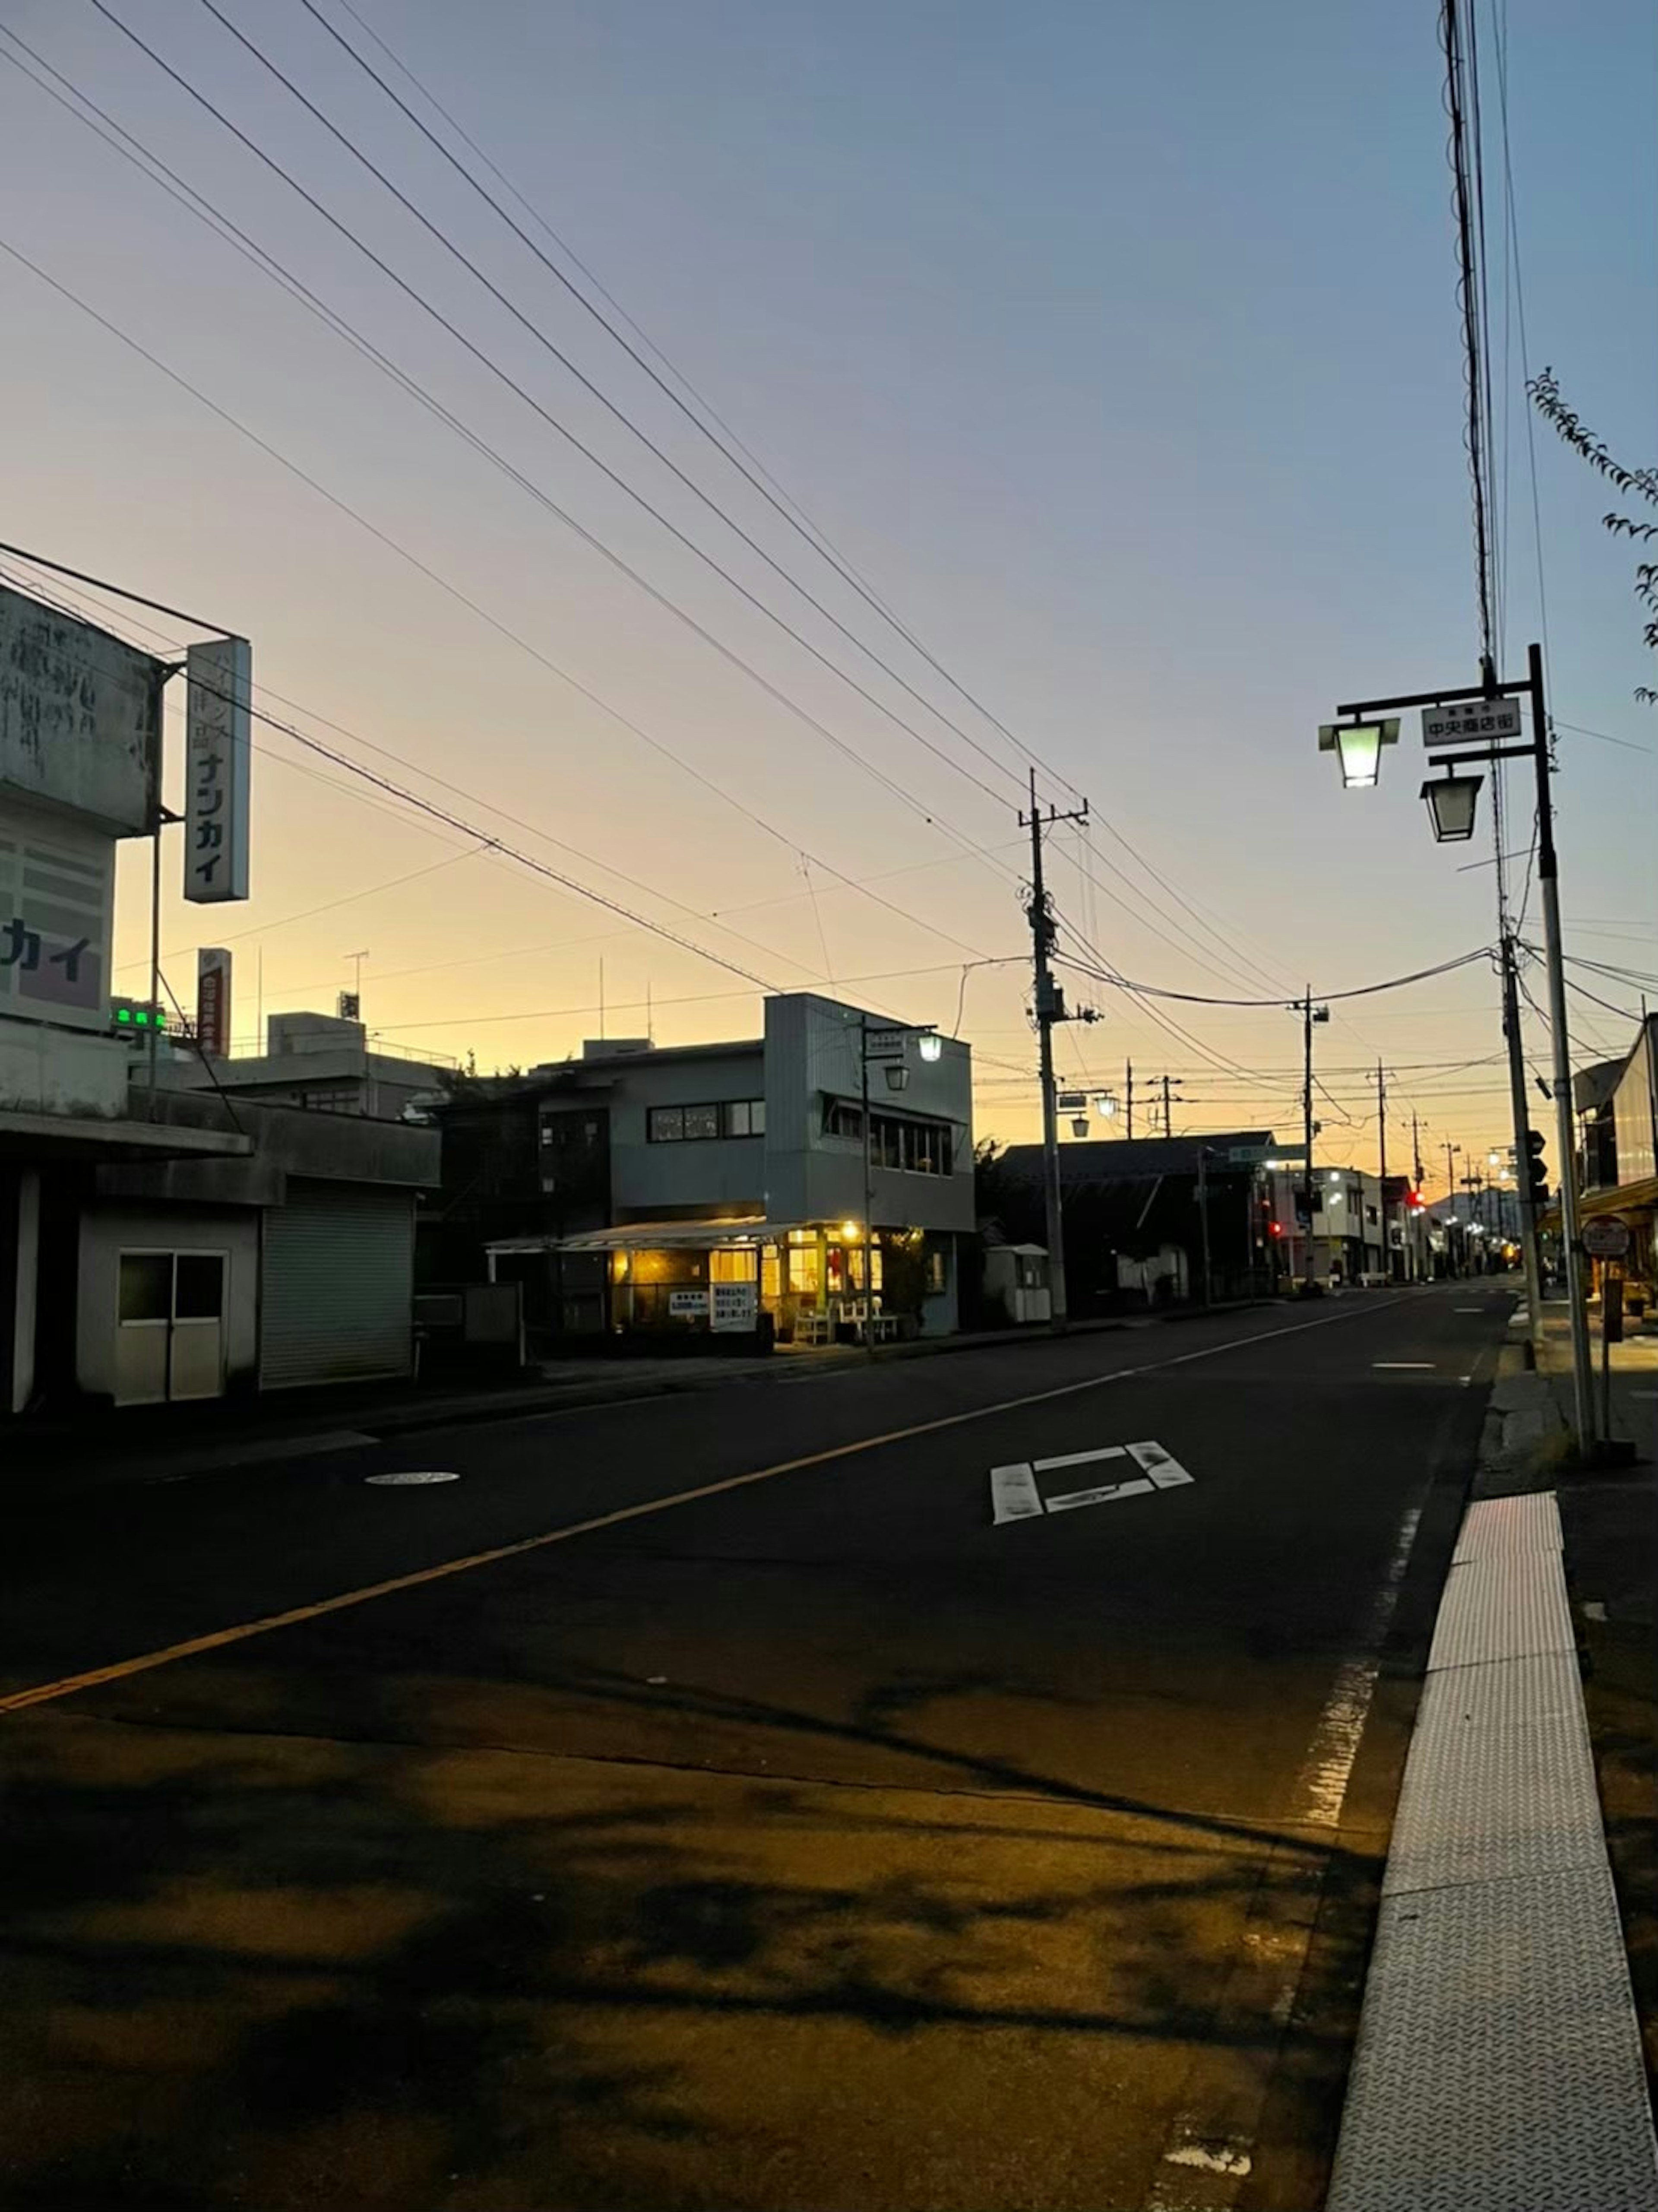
(734, 1307)
(57, 887)
(688, 1306)
(1469, 721)
(80, 717)
(218, 752)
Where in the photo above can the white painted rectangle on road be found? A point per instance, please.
(1081, 1459)
(1013, 1493)
(1164, 1469)
(1137, 1488)
(1403, 1366)
(1015, 1496)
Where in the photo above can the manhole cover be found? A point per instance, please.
(408, 1476)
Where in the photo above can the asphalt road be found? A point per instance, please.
(725, 1807)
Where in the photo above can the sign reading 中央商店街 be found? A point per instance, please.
(1466, 721)
(217, 752)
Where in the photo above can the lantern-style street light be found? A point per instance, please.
(1464, 727)
(1451, 800)
(1358, 747)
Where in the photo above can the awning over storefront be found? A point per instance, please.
(660, 1237)
(1622, 1198)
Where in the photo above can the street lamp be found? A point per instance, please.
(1469, 724)
(1358, 747)
(1451, 802)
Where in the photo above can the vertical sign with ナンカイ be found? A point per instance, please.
(213, 999)
(217, 753)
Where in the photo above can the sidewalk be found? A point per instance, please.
(1509, 2021)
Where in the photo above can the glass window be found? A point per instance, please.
(756, 1117)
(770, 1274)
(803, 1268)
(198, 1293)
(665, 1125)
(736, 1265)
(841, 1119)
(935, 1270)
(701, 1121)
(146, 1286)
(745, 1117)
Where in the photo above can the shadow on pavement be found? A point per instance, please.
(289, 1970)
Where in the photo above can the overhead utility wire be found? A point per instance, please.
(488, 361)
(789, 509)
(1107, 975)
(268, 267)
(455, 592)
(930, 815)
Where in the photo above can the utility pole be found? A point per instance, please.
(1548, 884)
(1050, 1009)
(1128, 1087)
(1310, 1014)
(1203, 1217)
(1167, 1110)
(1521, 1148)
(1381, 1173)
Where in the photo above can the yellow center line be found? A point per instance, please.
(193, 1647)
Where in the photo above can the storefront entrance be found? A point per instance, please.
(170, 1327)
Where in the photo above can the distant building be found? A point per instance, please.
(627, 1188)
(1132, 1219)
(323, 1063)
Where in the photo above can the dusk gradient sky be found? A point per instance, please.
(1115, 345)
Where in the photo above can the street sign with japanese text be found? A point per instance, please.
(1471, 722)
(217, 762)
(213, 999)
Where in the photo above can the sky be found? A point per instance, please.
(1114, 348)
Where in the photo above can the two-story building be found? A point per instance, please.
(160, 1237)
(821, 1174)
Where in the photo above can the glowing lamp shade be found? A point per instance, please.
(1451, 806)
(1358, 748)
(931, 1045)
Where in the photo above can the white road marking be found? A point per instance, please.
(1013, 1493)
(1593, 1609)
(1164, 1469)
(1225, 2160)
(1400, 1366)
(409, 1479)
(1479, 1310)
(1321, 1787)
(1081, 1459)
(1137, 1488)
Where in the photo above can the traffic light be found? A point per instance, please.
(1537, 1168)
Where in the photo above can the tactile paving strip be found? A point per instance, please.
(1498, 2068)
(1511, 1605)
(1501, 1781)
(1495, 1525)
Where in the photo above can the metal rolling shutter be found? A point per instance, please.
(337, 1287)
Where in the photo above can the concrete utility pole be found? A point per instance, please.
(1381, 1176)
(1203, 1217)
(1310, 1013)
(1128, 1087)
(1521, 1148)
(1168, 1111)
(1050, 1009)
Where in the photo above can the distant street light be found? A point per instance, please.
(1357, 746)
(1451, 803)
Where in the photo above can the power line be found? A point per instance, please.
(552, 421)
(1358, 991)
(268, 265)
(789, 509)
